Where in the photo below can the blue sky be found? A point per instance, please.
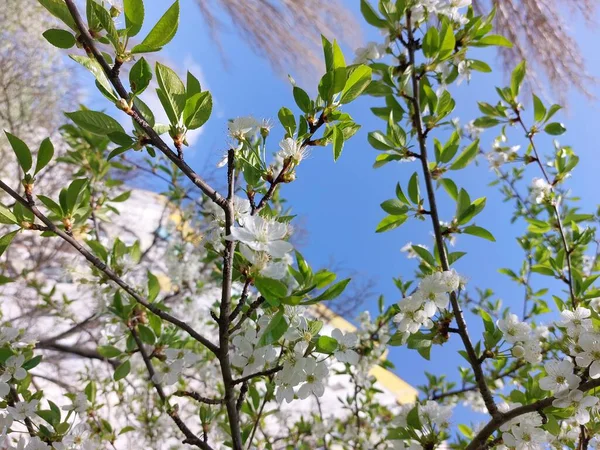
(339, 202)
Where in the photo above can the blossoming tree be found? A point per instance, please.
(218, 378)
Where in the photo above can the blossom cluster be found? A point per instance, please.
(525, 339)
(431, 296)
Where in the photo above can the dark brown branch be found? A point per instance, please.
(224, 311)
(241, 302)
(456, 309)
(559, 223)
(156, 140)
(263, 373)
(99, 264)
(479, 441)
(253, 307)
(190, 437)
(199, 398)
(78, 351)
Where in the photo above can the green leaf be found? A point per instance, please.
(272, 290)
(338, 57)
(6, 216)
(448, 42)
(414, 192)
(288, 121)
(371, 15)
(33, 362)
(394, 207)
(45, 154)
(107, 23)
(146, 335)
(59, 9)
(331, 293)
(59, 38)
(134, 16)
(326, 345)
(555, 129)
(93, 66)
(450, 187)
(274, 330)
(74, 191)
(95, 122)
(108, 351)
(162, 33)
(51, 205)
(539, 110)
(493, 39)
(21, 151)
(197, 110)
(302, 99)
(357, 82)
(153, 286)
(122, 371)
(338, 143)
(6, 240)
(479, 232)
(390, 222)
(171, 92)
(466, 156)
(424, 254)
(431, 41)
(517, 77)
(140, 76)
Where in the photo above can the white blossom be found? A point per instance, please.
(242, 128)
(560, 377)
(346, 342)
(590, 356)
(262, 235)
(314, 374)
(580, 402)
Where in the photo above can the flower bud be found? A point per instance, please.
(518, 351)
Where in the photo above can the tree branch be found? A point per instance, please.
(422, 138)
(190, 437)
(156, 140)
(99, 264)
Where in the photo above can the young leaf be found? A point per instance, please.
(45, 154)
(357, 82)
(197, 110)
(6, 240)
(539, 110)
(134, 16)
(93, 66)
(122, 371)
(479, 232)
(95, 122)
(6, 216)
(140, 76)
(466, 156)
(274, 330)
(21, 151)
(59, 38)
(390, 222)
(59, 9)
(74, 191)
(162, 33)
(516, 79)
(171, 92)
(555, 129)
(338, 143)
(331, 293)
(153, 287)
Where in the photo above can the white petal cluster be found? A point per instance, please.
(291, 148)
(263, 235)
(541, 190)
(417, 310)
(448, 8)
(370, 52)
(177, 361)
(242, 128)
(526, 340)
